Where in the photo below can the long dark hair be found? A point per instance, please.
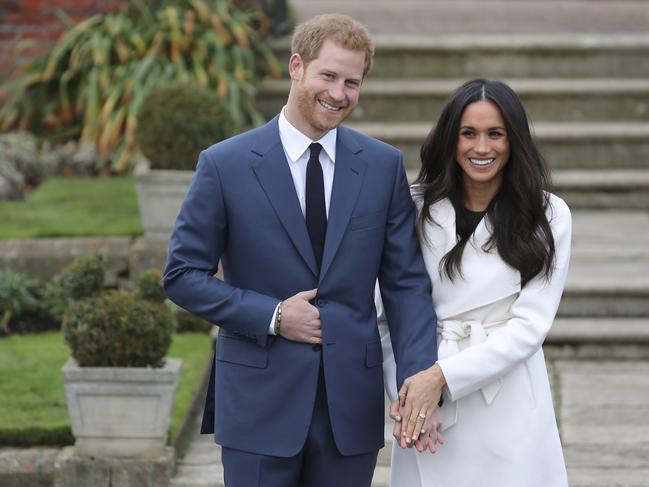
(521, 231)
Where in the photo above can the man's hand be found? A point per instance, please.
(418, 399)
(395, 414)
(300, 319)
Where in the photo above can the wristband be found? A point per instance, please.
(278, 318)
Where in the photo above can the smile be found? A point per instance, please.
(329, 107)
(482, 162)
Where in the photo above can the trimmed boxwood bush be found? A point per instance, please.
(149, 286)
(177, 121)
(188, 323)
(83, 278)
(117, 329)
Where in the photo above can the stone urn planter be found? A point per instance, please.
(177, 120)
(120, 411)
(119, 383)
(160, 193)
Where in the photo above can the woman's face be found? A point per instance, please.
(483, 147)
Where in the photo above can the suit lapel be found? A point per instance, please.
(271, 168)
(348, 178)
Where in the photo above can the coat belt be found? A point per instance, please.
(470, 333)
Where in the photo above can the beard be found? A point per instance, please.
(314, 114)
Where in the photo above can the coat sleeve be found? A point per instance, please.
(197, 243)
(389, 365)
(532, 315)
(405, 286)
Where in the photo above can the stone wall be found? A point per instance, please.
(126, 258)
(37, 22)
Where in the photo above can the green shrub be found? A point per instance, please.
(189, 323)
(177, 121)
(55, 300)
(149, 286)
(16, 297)
(117, 329)
(83, 278)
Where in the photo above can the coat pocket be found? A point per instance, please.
(241, 351)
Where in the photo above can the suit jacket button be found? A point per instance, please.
(316, 348)
(320, 302)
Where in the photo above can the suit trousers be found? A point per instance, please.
(318, 464)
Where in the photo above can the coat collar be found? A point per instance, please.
(485, 277)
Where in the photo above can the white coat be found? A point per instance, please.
(498, 416)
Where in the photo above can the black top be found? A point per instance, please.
(472, 217)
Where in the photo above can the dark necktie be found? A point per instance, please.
(316, 213)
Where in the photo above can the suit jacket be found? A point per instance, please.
(242, 210)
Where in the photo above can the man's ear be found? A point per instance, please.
(295, 66)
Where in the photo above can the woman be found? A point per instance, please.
(497, 247)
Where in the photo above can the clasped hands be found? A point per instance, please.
(416, 413)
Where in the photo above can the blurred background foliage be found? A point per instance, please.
(93, 82)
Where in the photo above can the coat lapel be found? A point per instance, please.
(271, 168)
(348, 178)
(485, 279)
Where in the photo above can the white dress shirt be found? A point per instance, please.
(296, 147)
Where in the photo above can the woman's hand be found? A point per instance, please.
(418, 398)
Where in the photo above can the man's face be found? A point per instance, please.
(325, 91)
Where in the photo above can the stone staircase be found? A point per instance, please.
(587, 97)
(582, 70)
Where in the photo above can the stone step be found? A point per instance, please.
(548, 99)
(601, 401)
(609, 268)
(608, 477)
(565, 145)
(599, 330)
(505, 56)
(632, 456)
(606, 189)
(487, 16)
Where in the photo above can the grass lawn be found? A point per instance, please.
(74, 207)
(33, 410)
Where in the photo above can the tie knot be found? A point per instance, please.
(315, 149)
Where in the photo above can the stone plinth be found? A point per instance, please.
(29, 467)
(74, 470)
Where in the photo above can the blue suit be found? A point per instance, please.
(242, 210)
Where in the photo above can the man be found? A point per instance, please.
(303, 231)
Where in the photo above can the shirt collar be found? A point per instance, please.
(296, 143)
